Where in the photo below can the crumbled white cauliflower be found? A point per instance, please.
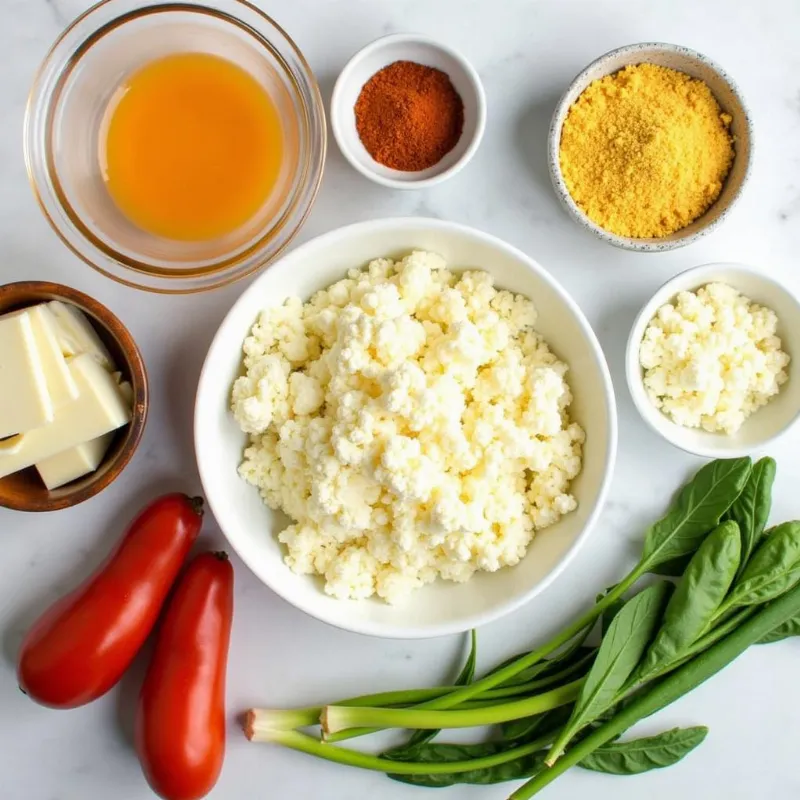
(712, 358)
(412, 423)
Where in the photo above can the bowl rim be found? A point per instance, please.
(633, 372)
(560, 186)
(129, 271)
(208, 388)
(141, 406)
(337, 110)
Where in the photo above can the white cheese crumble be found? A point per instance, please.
(711, 358)
(412, 423)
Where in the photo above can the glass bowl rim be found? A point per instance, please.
(73, 232)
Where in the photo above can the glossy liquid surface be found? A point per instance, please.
(193, 147)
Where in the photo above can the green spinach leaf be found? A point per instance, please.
(467, 673)
(523, 730)
(519, 768)
(789, 628)
(697, 510)
(611, 612)
(696, 599)
(672, 569)
(752, 507)
(642, 755)
(620, 652)
(772, 570)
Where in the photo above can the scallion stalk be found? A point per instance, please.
(352, 758)
(288, 719)
(339, 718)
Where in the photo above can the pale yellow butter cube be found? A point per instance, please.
(60, 383)
(12, 444)
(100, 407)
(74, 463)
(76, 334)
(25, 403)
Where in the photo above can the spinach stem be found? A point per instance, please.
(338, 718)
(729, 625)
(579, 667)
(535, 656)
(456, 696)
(352, 758)
(724, 612)
(674, 686)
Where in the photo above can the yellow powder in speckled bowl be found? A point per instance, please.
(645, 152)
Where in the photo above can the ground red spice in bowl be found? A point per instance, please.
(409, 116)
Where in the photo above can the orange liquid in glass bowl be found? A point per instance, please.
(193, 147)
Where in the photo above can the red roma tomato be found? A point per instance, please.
(180, 724)
(80, 647)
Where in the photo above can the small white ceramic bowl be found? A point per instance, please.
(442, 607)
(727, 95)
(770, 421)
(423, 50)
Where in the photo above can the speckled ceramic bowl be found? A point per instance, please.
(727, 95)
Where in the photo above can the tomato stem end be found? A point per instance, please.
(197, 505)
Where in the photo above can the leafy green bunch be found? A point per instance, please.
(723, 582)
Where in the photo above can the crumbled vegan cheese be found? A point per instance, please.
(411, 422)
(712, 358)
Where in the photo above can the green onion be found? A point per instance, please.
(289, 719)
(339, 718)
(295, 740)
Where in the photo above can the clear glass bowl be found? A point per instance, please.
(66, 117)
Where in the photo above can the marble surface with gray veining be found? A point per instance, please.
(526, 53)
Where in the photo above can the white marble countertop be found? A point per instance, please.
(526, 52)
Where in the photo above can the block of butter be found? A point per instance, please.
(74, 463)
(60, 383)
(100, 407)
(76, 334)
(25, 403)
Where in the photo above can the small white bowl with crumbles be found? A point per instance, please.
(710, 360)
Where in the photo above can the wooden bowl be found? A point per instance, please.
(24, 490)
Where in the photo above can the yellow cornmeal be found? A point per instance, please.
(644, 152)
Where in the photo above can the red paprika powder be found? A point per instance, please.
(409, 116)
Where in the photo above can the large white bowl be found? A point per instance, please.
(443, 607)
